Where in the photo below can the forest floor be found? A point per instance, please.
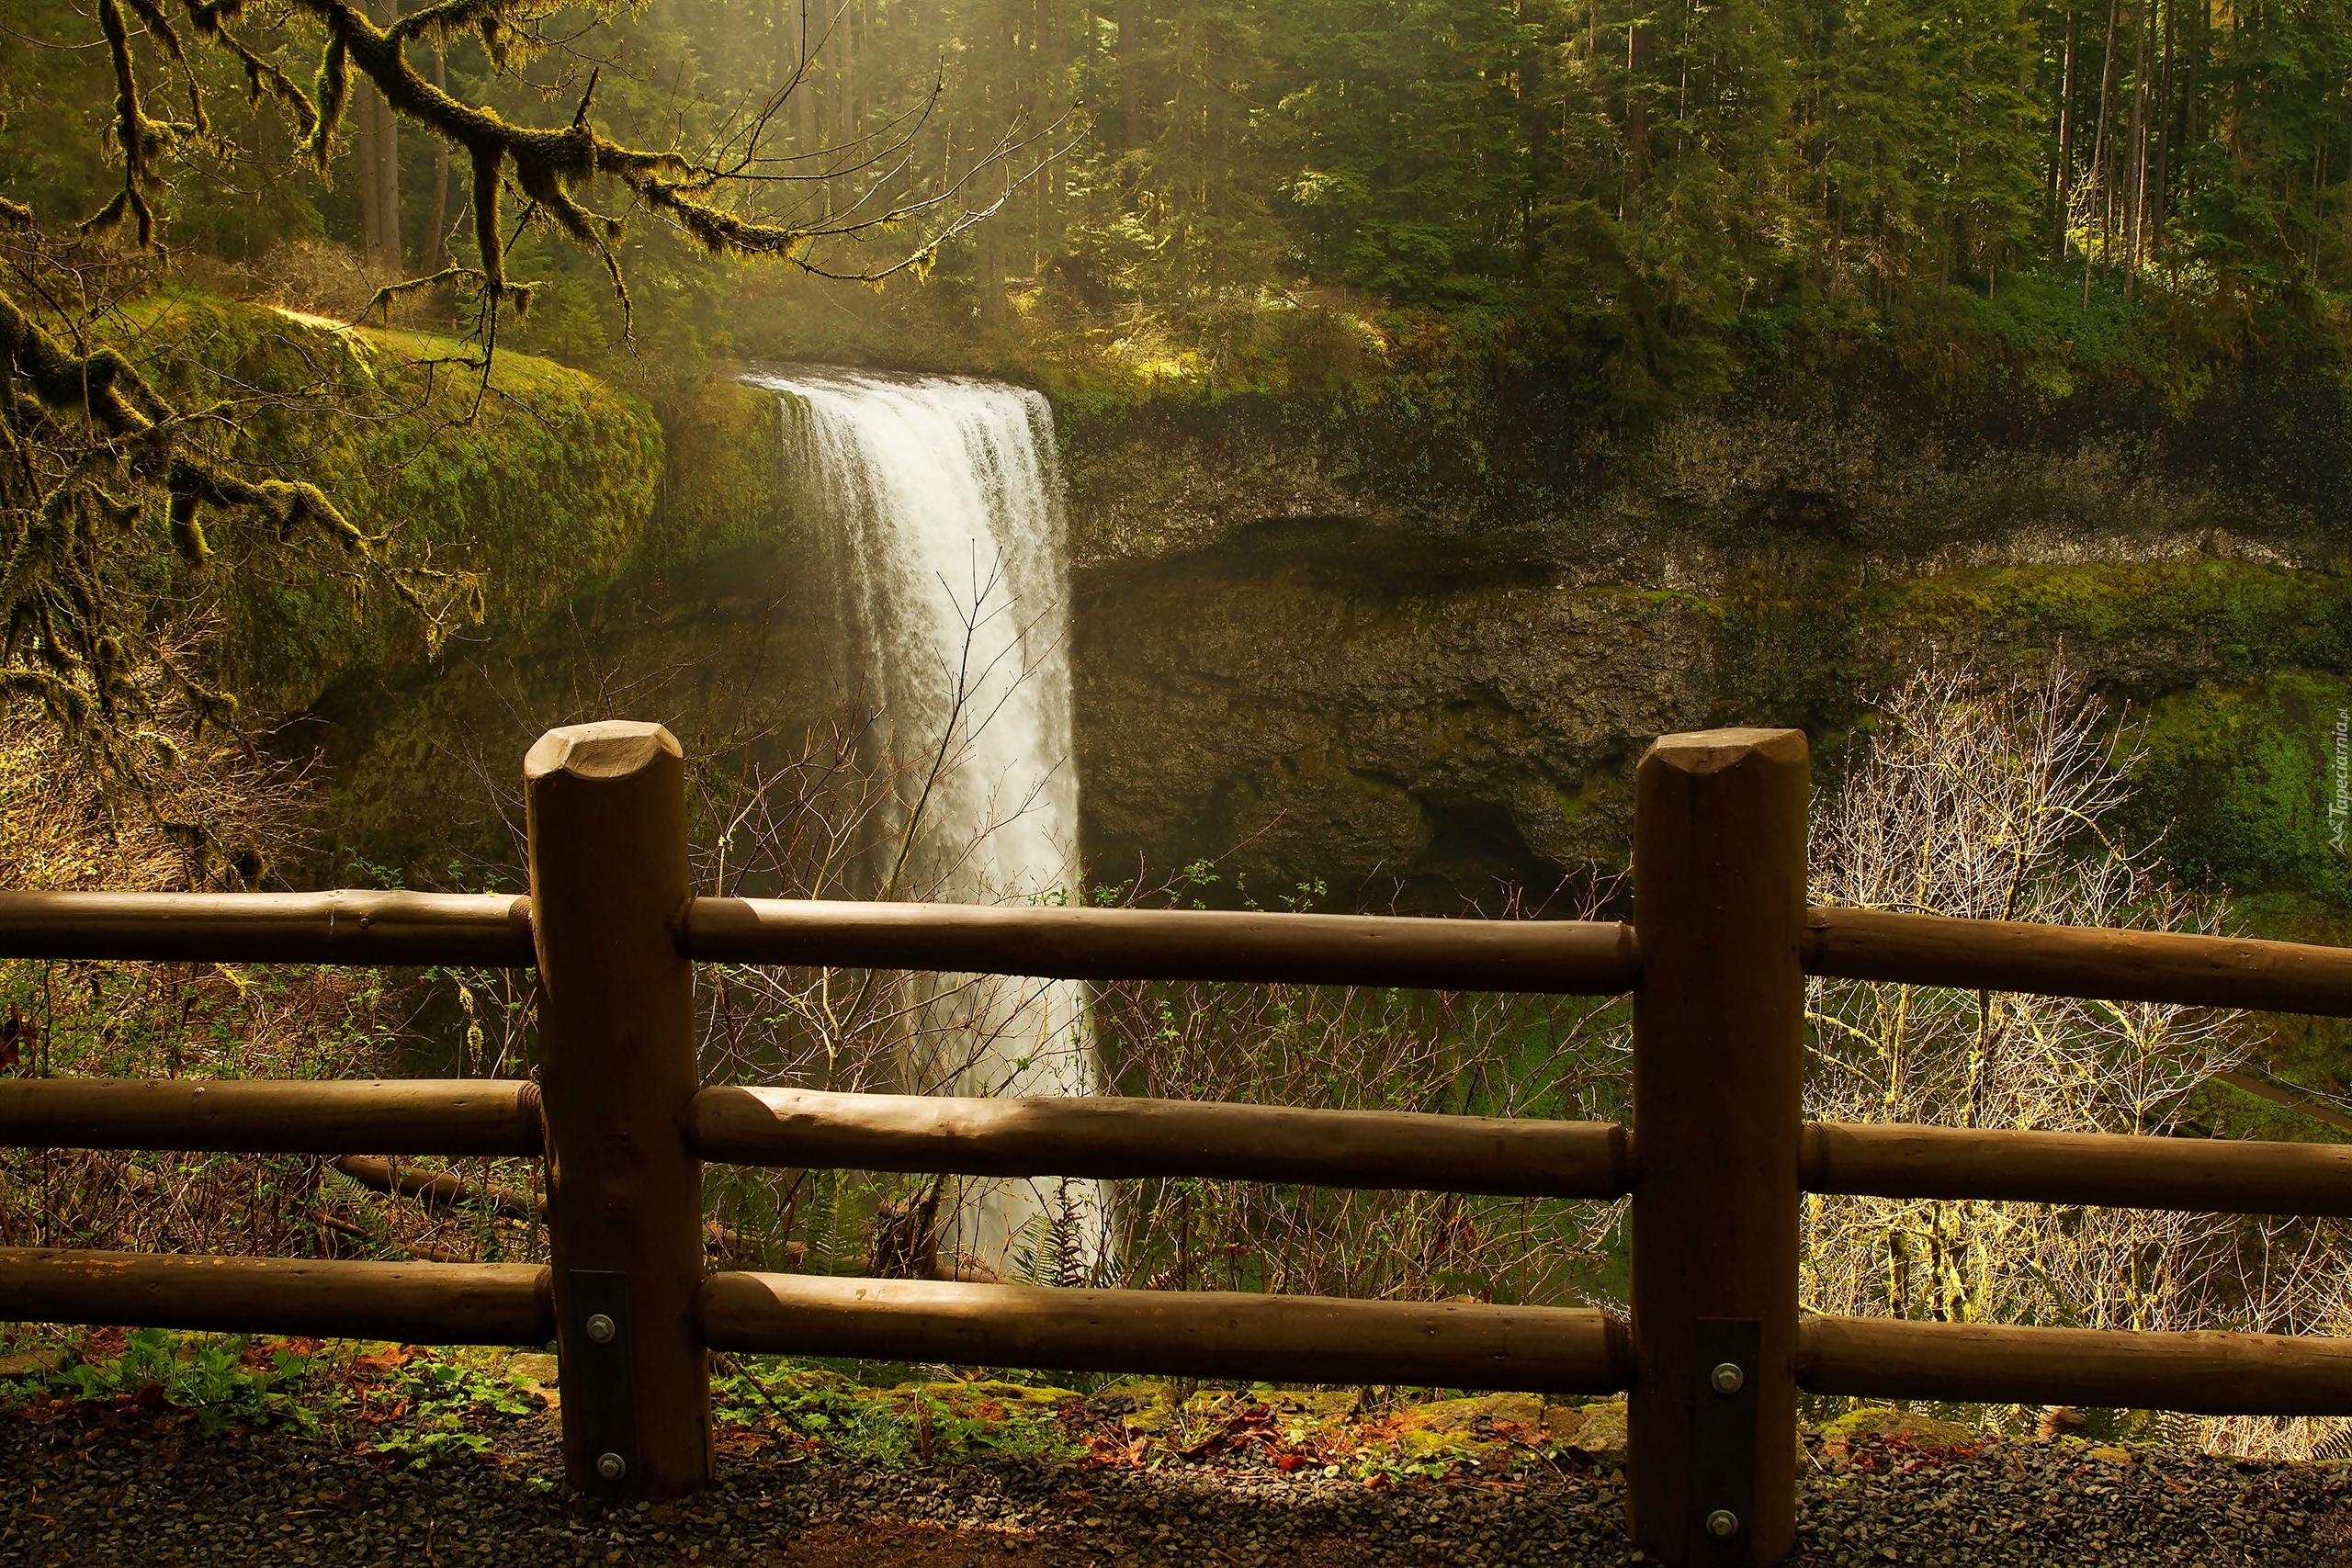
(249, 1453)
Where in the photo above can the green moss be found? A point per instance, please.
(2220, 619)
(547, 486)
(540, 484)
(723, 484)
(2237, 779)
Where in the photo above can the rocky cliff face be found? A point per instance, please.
(1421, 709)
(1424, 677)
(1329, 701)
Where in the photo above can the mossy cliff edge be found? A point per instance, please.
(695, 623)
(540, 484)
(569, 501)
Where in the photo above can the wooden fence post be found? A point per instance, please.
(607, 815)
(1719, 886)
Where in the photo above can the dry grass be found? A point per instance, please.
(217, 815)
(1997, 802)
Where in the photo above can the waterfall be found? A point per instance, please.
(955, 580)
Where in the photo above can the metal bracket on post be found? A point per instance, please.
(1726, 1352)
(599, 1398)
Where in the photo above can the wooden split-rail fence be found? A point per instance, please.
(1711, 1361)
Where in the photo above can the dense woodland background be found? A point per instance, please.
(1661, 195)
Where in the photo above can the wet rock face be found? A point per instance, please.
(1419, 715)
(1333, 704)
(1421, 692)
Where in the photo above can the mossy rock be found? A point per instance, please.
(2239, 780)
(1323, 1404)
(1421, 1446)
(540, 481)
(37, 1362)
(1596, 1428)
(975, 1398)
(534, 1369)
(1898, 1426)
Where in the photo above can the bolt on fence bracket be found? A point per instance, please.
(1725, 1351)
(598, 1400)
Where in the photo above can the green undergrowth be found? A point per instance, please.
(1944, 1424)
(820, 1410)
(414, 1408)
(410, 1405)
(871, 1415)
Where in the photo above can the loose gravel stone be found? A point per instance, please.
(77, 1497)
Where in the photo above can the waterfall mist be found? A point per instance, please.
(953, 584)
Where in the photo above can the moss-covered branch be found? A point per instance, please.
(97, 465)
(86, 444)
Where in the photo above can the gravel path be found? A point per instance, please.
(157, 1492)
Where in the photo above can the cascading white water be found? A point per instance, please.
(957, 581)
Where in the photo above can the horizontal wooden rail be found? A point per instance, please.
(1115, 1137)
(425, 1116)
(2202, 1374)
(1216, 1334)
(1584, 957)
(418, 1304)
(2079, 961)
(2208, 1175)
(492, 931)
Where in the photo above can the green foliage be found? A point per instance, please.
(1594, 211)
(107, 1022)
(1630, 183)
(2238, 777)
(446, 1403)
(222, 1381)
(827, 1412)
(412, 1406)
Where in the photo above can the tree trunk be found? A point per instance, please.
(2193, 103)
(792, 66)
(1131, 26)
(1042, 74)
(1637, 60)
(387, 253)
(996, 99)
(844, 100)
(1534, 124)
(2319, 188)
(364, 104)
(1682, 92)
(2163, 176)
(2062, 171)
(2135, 173)
(2099, 156)
(992, 263)
(853, 85)
(436, 254)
